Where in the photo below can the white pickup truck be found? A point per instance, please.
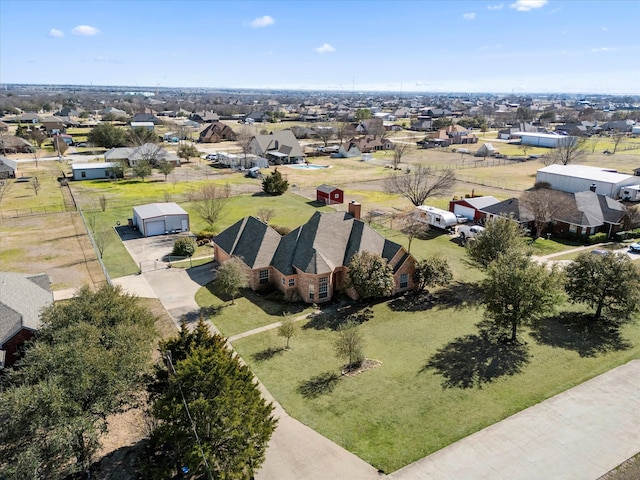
(467, 232)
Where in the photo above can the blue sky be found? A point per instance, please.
(498, 46)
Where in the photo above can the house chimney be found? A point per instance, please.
(593, 187)
(354, 209)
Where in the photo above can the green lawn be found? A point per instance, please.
(401, 411)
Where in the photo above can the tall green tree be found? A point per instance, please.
(142, 169)
(609, 284)
(107, 135)
(231, 277)
(165, 168)
(88, 361)
(186, 151)
(518, 291)
(211, 416)
(274, 184)
(370, 275)
(432, 272)
(501, 235)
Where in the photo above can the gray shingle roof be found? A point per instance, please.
(22, 298)
(325, 242)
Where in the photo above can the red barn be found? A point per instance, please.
(329, 195)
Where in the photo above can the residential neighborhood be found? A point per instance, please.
(319, 240)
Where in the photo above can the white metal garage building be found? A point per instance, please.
(160, 218)
(549, 140)
(580, 178)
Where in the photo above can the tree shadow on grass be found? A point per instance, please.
(319, 385)
(333, 318)
(456, 295)
(270, 302)
(474, 360)
(267, 354)
(579, 332)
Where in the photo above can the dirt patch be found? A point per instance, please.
(56, 244)
(629, 470)
(367, 364)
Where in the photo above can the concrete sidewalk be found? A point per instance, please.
(579, 434)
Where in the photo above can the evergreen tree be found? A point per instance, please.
(274, 184)
(212, 418)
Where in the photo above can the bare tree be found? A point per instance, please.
(37, 136)
(524, 147)
(400, 149)
(35, 185)
(60, 146)
(324, 133)
(35, 153)
(413, 228)
(287, 328)
(420, 184)
(265, 214)
(343, 131)
(545, 205)
(618, 138)
(103, 202)
(632, 217)
(244, 138)
(100, 238)
(569, 150)
(210, 203)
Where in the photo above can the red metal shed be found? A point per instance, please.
(329, 195)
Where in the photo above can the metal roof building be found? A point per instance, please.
(580, 178)
(160, 218)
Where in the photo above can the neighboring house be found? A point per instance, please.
(367, 144)
(93, 171)
(625, 126)
(13, 144)
(453, 135)
(579, 178)
(588, 213)
(204, 117)
(278, 147)
(160, 218)
(487, 150)
(421, 124)
(471, 208)
(217, 132)
(22, 299)
(113, 111)
(146, 117)
(329, 195)
(370, 126)
(511, 208)
(8, 168)
(256, 116)
(580, 129)
(311, 262)
(149, 151)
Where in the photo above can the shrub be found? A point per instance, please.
(205, 234)
(597, 238)
(184, 247)
(282, 230)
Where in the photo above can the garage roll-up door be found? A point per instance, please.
(154, 228)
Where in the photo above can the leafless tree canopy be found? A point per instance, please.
(324, 133)
(399, 151)
(567, 152)
(265, 214)
(412, 228)
(545, 205)
(618, 138)
(420, 184)
(210, 203)
(344, 130)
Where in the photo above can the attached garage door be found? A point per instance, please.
(464, 211)
(154, 228)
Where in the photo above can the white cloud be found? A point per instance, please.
(603, 49)
(55, 33)
(469, 16)
(495, 7)
(326, 48)
(528, 5)
(605, 29)
(261, 22)
(85, 31)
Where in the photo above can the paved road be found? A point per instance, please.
(580, 434)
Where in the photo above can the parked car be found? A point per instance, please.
(466, 232)
(81, 144)
(212, 156)
(600, 251)
(635, 247)
(461, 218)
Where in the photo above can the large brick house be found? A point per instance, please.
(311, 262)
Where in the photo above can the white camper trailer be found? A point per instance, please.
(631, 193)
(436, 217)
